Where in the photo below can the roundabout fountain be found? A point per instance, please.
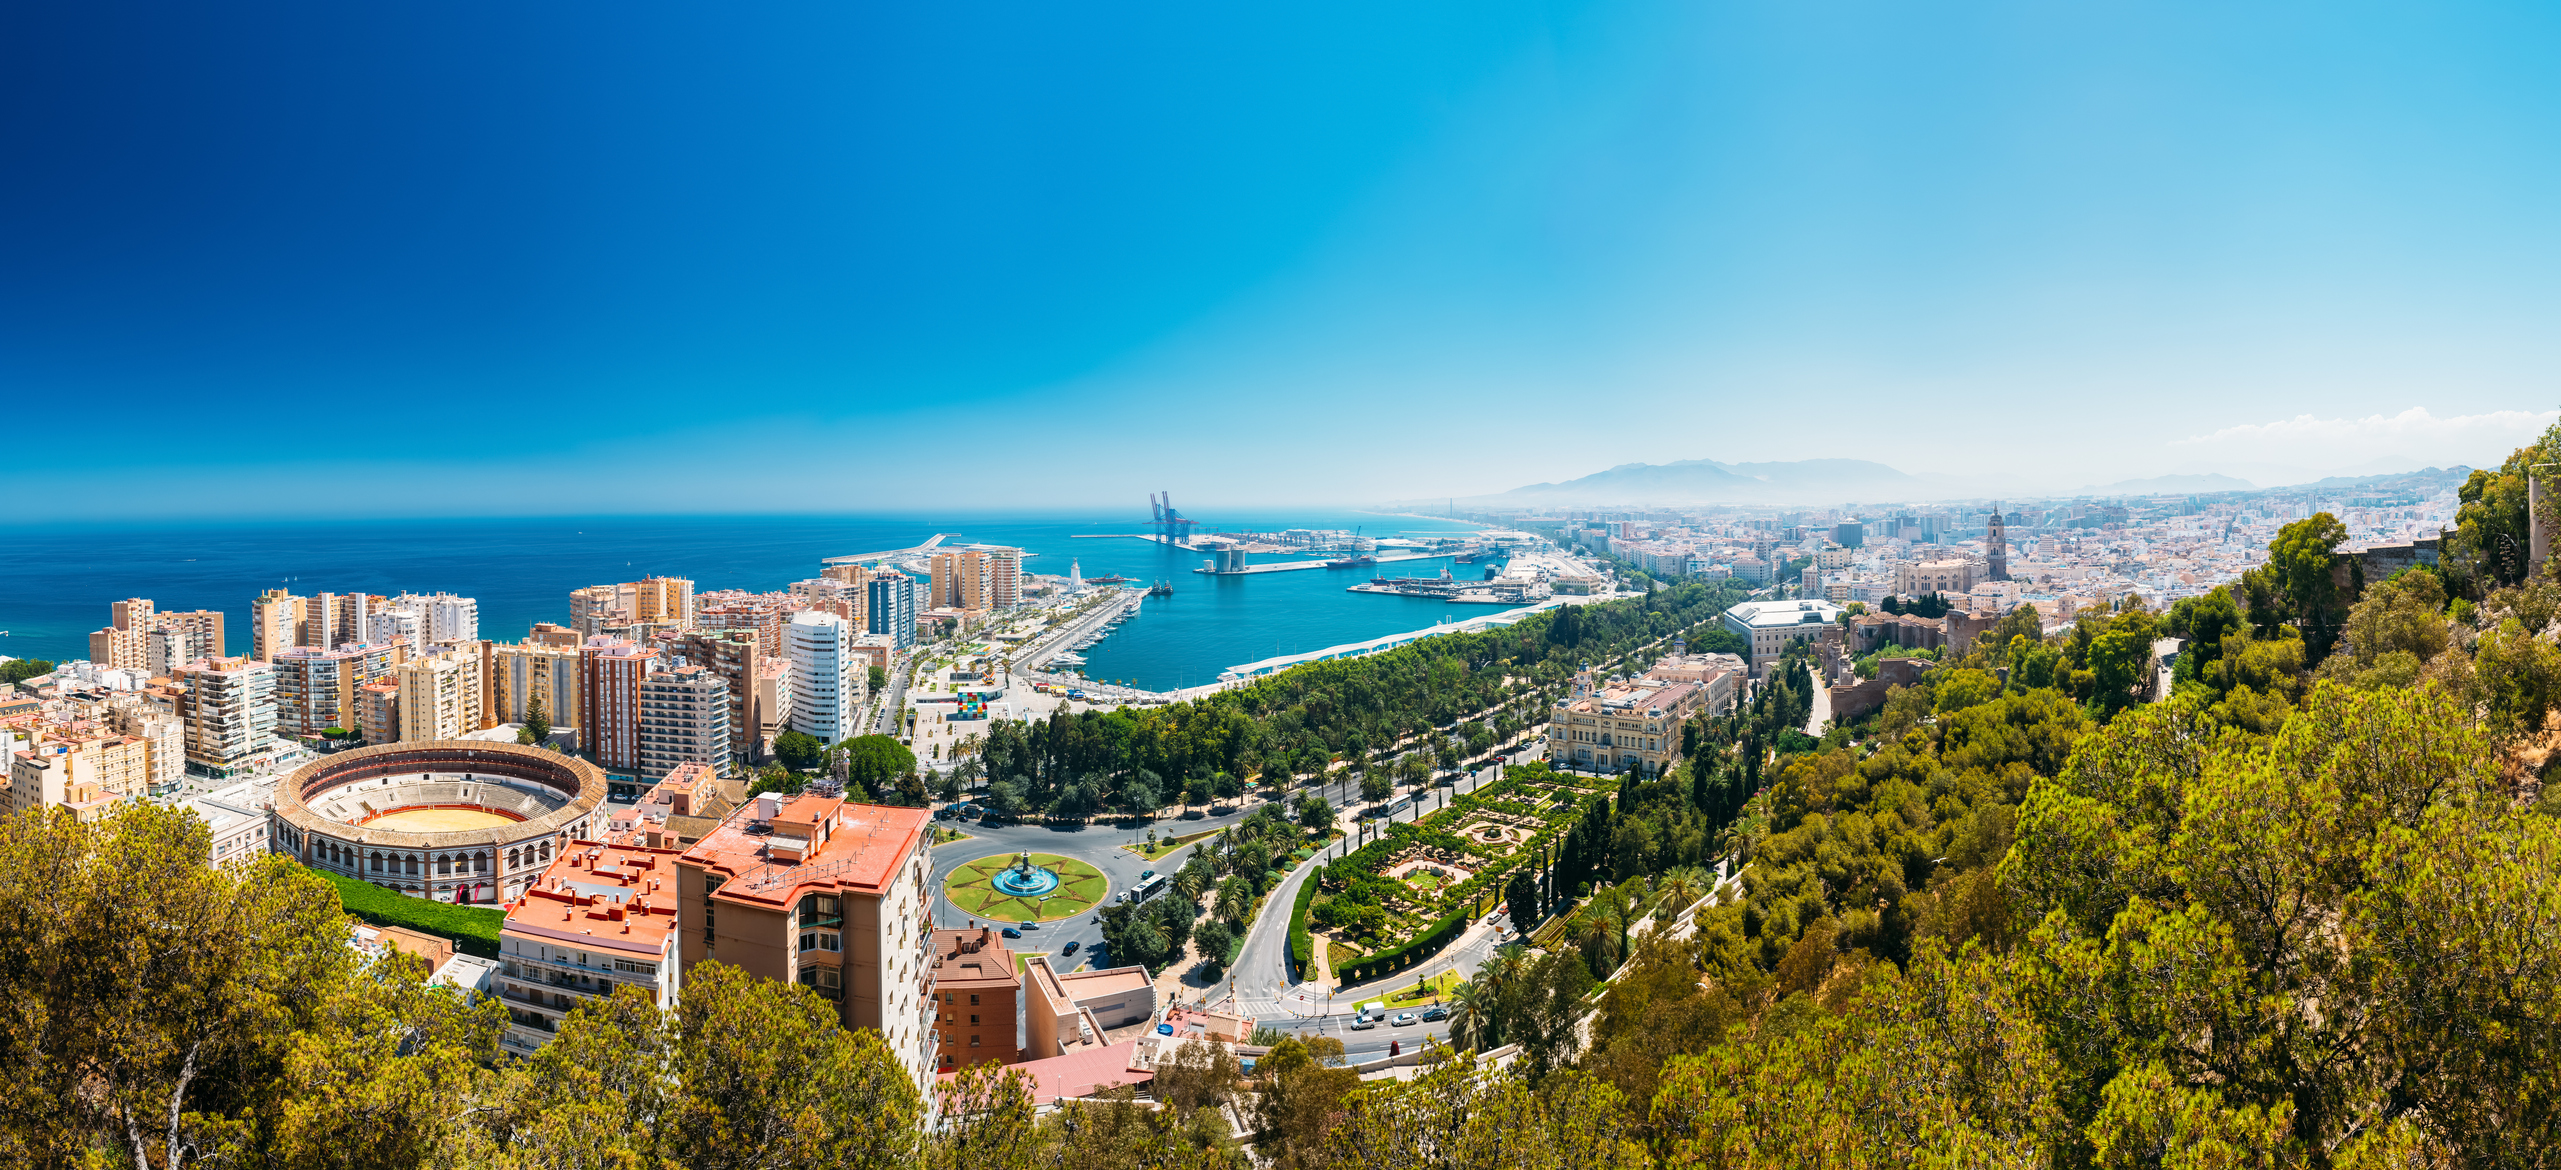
(1025, 887)
(1022, 879)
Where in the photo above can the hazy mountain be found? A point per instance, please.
(1706, 481)
(2170, 485)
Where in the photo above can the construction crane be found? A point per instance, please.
(1171, 526)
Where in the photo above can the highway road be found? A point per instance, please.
(1262, 969)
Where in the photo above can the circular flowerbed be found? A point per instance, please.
(975, 889)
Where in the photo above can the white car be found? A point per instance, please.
(1402, 1019)
(1362, 1023)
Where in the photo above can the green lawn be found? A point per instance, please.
(1081, 887)
(1165, 845)
(1436, 987)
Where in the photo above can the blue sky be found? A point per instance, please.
(285, 257)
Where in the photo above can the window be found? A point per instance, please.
(973, 1041)
(973, 999)
(822, 940)
(973, 1019)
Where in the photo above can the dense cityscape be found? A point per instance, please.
(883, 787)
(1720, 586)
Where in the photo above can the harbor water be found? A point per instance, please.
(59, 580)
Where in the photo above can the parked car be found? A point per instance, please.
(1434, 1015)
(1362, 1023)
(1070, 948)
(1402, 1019)
(1031, 926)
(1010, 932)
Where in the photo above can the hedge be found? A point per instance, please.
(1302, 947)
(474, 930)
(1421, 947)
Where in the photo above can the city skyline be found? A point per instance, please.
(1335, 257)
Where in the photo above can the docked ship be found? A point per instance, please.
(1162, 588)
(1445, 588)
(1352, 562)
(1109, 580)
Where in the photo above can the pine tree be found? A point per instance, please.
(537, 726)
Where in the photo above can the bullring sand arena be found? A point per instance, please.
(438, 820)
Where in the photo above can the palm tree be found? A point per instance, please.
(1474, 1015)
(1679, 888)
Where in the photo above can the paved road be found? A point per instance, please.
(899, 672)
(1262, 968)
(1096, 845)
(1821, 712)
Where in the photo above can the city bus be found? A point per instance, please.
(1147, 889)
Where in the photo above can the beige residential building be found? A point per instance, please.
(828, 894)
(230, 713)
(162, 733)
(86, 773)
(331, 620)
(737, 659)
(595, 607)
(773, 699)
(176, 639)
(122, 646)
(665, 600)
(439, 696)
(317, 689)
(275, 622)
(378, 712)
(684, 719)
(975, 578)
(516, 674)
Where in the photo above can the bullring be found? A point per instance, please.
(451, 820)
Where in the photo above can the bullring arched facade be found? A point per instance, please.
(545, 800)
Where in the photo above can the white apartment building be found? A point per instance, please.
(397, 627)
(231, 713)
(442, 617)
(827, 677)
(684, 719)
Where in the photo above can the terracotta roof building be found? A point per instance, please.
(974, 990)
(825, 893)
(602, 917)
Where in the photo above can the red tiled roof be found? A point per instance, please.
(1081, 1074)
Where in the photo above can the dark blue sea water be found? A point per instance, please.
(56, 581)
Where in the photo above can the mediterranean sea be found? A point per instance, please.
(56, 581)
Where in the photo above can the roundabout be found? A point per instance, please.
(1025, 887)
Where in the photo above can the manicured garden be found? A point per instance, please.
(972, 888)
(1399, 900)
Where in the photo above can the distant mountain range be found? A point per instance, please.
(2165, 484)
(1831, 482)
(1706, 481)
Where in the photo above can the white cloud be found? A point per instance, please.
(2413, 436)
